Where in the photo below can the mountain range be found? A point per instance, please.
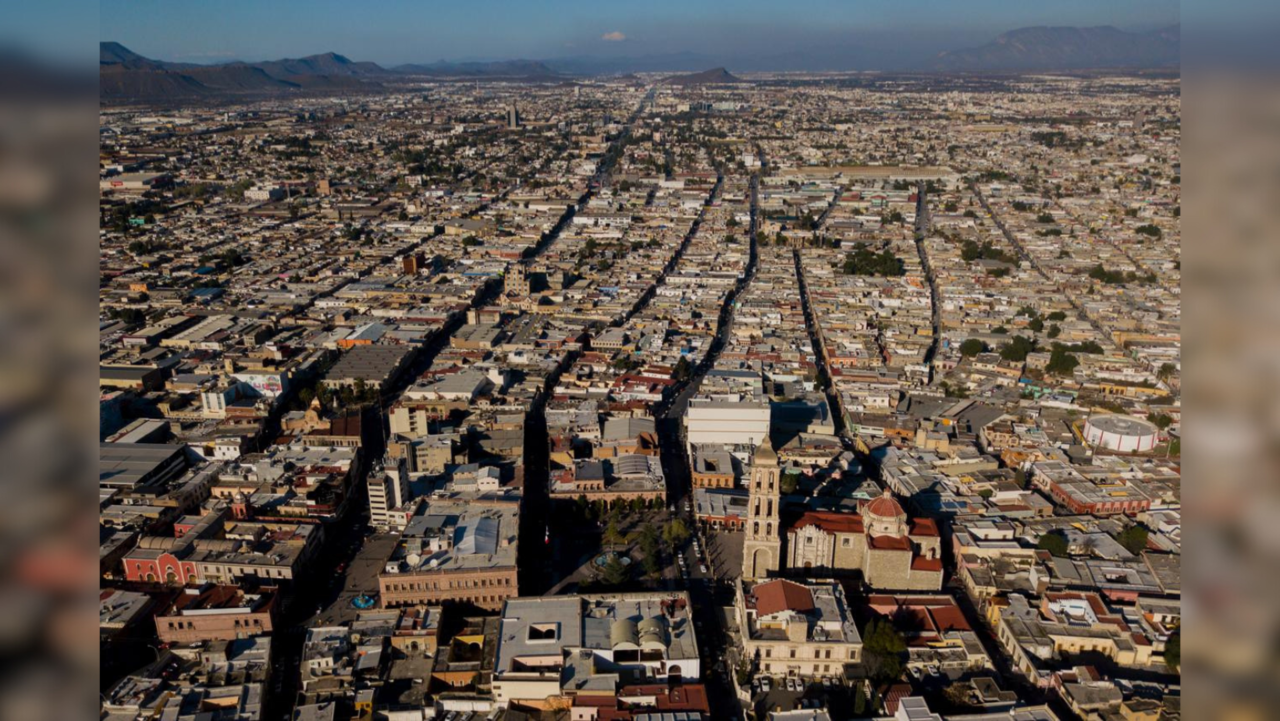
(1066, 48)
(127, 76)
(715, 76)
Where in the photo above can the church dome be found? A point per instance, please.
(884, 516)
(886, 506)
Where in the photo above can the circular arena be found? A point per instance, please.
(1125, 434)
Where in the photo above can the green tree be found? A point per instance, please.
(972, 347)
(1054, 542)
(1166, 372)
(675, 532)
(615, 572)
(864, 261)
(1173, 652)
(883, 649)
(790, 482)
(1017, 349)
(1054, 331)
(613, 534)
(683, 370)
(1061, 362)
(1133, 538)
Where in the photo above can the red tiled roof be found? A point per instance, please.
(885, 506)
(920, 563)
(781, 595)
(924, 527)
(831, 522)
(949, 618)
(889, 543)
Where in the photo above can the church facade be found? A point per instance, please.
(889, 551)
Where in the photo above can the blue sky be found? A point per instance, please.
(399, 31)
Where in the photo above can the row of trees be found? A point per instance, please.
(865, 261)
(971, 251)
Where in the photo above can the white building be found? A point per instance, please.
(556, 647)
(726, 423)
(389, 496)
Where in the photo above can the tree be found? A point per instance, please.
(972, 347)
(864, 261)
(790, 482)
(882, 650)
(1173, 652)
(612, 534)
(1054, 542)
(1054, 331)
(1134, 539)
(615, 572)
(683, 370)
(1162, 420)
(675, 532)
(1057, 315)
(1036, 325)
(1166, 372)
(1061, 362)
(1017, 349)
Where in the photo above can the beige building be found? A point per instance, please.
(889, 551)
(454, 550)
(797, 629)
(762, 548)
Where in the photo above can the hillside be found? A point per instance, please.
(1066, 48)
(715, 76)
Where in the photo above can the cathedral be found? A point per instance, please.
(889, 551)
(879, 542)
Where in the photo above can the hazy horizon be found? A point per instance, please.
(806, 35)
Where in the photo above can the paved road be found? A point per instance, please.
(820, 351)
(923, 228)
(709, 591)
(536, 576)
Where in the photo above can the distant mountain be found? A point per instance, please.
(500, 68)
(118, 82)
(126, 76)
(331, 64)
(715, 76)
(1066, 48)
(117, 54)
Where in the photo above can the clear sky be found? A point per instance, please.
(401, 31)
